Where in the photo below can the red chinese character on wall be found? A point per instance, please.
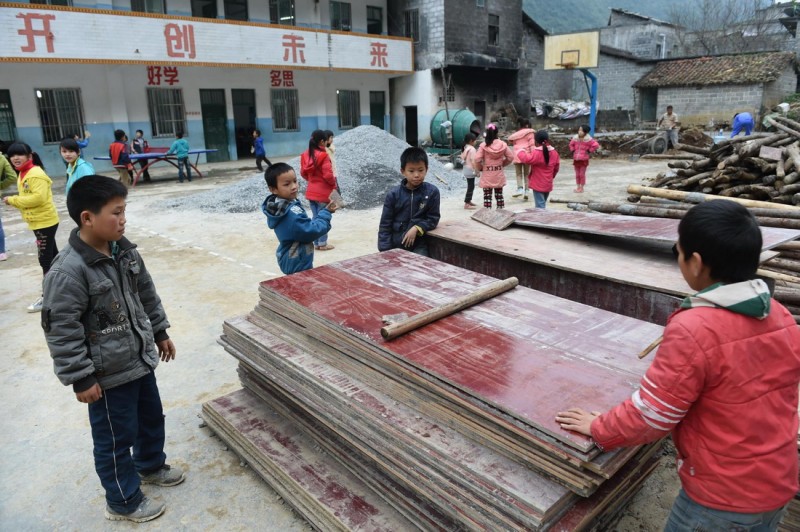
(31, 33)
(295, 45)
(154, 75)
(288, 78)
(180, 40)
(275, 78)
(379, 54)
(170, 75)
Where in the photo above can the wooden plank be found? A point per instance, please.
(337, 495)
(496, 219)
(664, 230)
(768, 152)
(646, 265)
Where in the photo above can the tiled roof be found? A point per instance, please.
(740, 69)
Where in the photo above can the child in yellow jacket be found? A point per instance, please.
(35, 201)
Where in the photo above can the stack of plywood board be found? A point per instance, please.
(448, 427)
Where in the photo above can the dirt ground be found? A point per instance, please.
(206, 268)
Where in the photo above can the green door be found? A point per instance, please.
(649, 99)
(377, 108)
(215, 124)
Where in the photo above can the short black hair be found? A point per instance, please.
(727, 237)
(119, 134)
(179, 134)
(469, 137)
(413, 155)
(91, 193)
(669, 107)
(140, 131)
(257, 132)
(272, 173)
(70, 144)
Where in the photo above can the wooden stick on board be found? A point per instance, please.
(483, 293)
(650, 347)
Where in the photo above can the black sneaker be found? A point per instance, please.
(147, 510)
(166, 476)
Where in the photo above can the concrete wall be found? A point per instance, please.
(641, 40)
(533, 81)
(417, 89)
(776, 92)
(115, 97)
(615, 79)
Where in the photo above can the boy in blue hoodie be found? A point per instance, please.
(180, 148)
(286, 216)
(259, 151)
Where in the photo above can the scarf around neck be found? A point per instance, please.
(750, 298)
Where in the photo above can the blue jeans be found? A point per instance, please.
(540, 199)
(687, 515)
(2, 237)
(184, 162)
(317, 206)
(128, 416)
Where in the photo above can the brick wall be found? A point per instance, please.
(699, 105)
(429, 52)
(615, 79)
(777, 91)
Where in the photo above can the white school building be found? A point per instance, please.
(214, 69)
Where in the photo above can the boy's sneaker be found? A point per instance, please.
(166, 476)
(3, 256)
(147, 510)
(518, 193)
(36, 306)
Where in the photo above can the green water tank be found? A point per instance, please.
(463, 122)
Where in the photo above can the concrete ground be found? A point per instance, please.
(207, 268)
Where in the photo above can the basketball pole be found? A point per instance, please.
(592, 97)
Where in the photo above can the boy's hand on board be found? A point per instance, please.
(91, 395)
(166, 350)
(410, 237)
(577, 420)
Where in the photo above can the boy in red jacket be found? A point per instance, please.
(724, 383)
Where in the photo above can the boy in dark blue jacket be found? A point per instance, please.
(286, 216)
(259, 151)
(411, 209)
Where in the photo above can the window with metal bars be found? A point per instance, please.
(167, 112)
(285, 110)
(340, 16)
(281, 12)
(60, 112)
(374, 20)
(349, 109)
(8, 127)
(451, 92)
(235, 9)
(148, 6)
(411, 26)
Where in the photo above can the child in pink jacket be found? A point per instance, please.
(581, 146)
(522, 140)
(492, 157)
(545, 163)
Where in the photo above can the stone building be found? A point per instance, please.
(474, 44)
(706, 89)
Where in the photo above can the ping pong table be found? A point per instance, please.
(156, 155)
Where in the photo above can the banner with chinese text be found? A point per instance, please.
(88, 36)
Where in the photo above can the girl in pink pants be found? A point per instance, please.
(581, 146)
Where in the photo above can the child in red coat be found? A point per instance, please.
(581, 146)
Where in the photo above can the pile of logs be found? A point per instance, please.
(762, 166)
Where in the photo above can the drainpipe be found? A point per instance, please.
(663, 45)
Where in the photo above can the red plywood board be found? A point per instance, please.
(527, 353)
(638, 227)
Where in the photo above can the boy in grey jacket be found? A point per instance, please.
(106, 330)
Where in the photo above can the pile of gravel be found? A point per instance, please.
(367, 166)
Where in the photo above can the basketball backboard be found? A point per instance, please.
(571, 50)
